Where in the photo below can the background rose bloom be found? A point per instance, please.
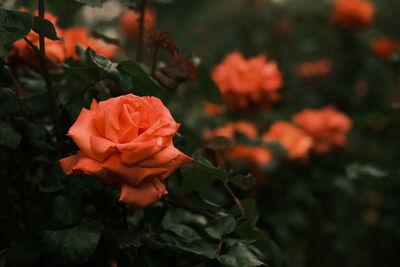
(353, 13)
(127, 140)
(211, 109)
(246, 128)
(256, 154)
(23, 55)
(383, 47)
(80, 35)
(327, 126)
(130, 22)
(297, 142)
(248, 84)
(315, 68)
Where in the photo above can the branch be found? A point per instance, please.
(235, 198)
(143, 4)
(186, 207)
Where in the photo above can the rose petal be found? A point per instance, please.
(166, 155)
(143, 195)
(102, 147)
(174, 164)
(82, 130)
(132, 153)
(132, 175)
(68, 162)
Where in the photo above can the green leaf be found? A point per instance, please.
(8, 136)
(14, 25)
(126, 238)
(355, 170)
(172, 222)
(101, 62)
(143, 84)
(93, 3)
(207, 86)
(106, 38)
(6, 78)
(240, 255)
(44, 27)
(8, 102)
(72, 245)
(220, 227)
(23, 253)
(199, 247)
(243, 181)
(219, 172)
(68, 209)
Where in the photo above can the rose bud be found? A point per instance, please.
(126, 141)
(176, 71)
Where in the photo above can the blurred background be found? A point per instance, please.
(338, 209)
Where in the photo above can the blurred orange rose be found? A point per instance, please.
(211, 109)
(313, 69)
(297, 142)
(248, 84)
(383, 47)
(256, 154)
(80, 35)
(130, 22)
(328, 127)
(246, 128)
(126, 141)
(353, 13)
(23, 55)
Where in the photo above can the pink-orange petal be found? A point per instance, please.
(132, 175)
(143, 195)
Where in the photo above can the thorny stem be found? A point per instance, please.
(186, 207)
(154, 61)
(142, 9)
(41, 53)
(235, 198)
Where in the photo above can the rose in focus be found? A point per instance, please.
(248, 84)
(126, 141)
(328, 128)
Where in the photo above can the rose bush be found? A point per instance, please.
(126, 141)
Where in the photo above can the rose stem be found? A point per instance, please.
(46, 76)
(142, 9)
(154, 60)
(235, 198)
(186, 207)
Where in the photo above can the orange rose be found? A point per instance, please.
(248, 84)
(23, 55)
(211, 109)
(383, 47)
(353, 13)
(130, 22)
(293, 139)
(80, 35)
(256, 154)
(313, 69)
(327, 126)
(229, 130)
(126, 141)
